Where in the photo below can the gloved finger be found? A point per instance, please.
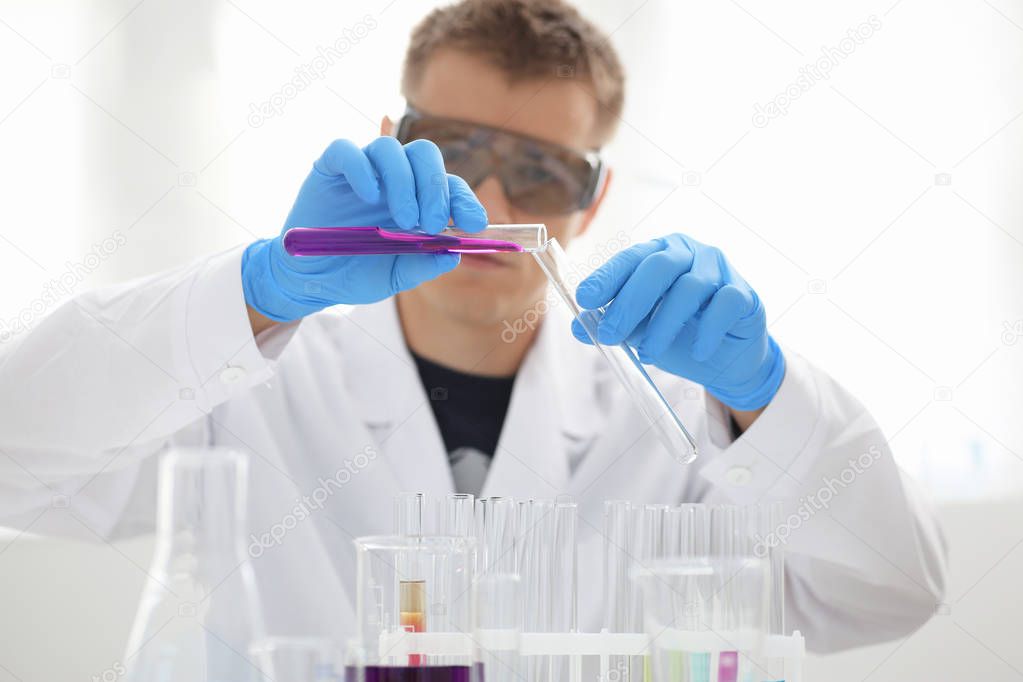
(641, 293)
(411, 270)
(753, 324)
(604, 284)
(729, 305)
(395, 172)
(683, 300)
(580, 333)
(343, 158)
(431, 184)
(587, 329)
(466, 210)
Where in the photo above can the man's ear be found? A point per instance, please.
(597, 200)
(386, 126)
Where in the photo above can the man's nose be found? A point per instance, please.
(491, 195)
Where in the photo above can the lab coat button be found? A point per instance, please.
(232, 375)
(739, 475)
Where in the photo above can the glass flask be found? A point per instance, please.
(295, 659)
(200, 610)
(414, 611)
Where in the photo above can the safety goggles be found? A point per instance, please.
(537, 177)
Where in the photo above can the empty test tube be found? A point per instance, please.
(458, 515)
(649, 401)
(564, 581)
(647, 546)
(672, 533)
(498, 626)
(408, 513)
(565, 612)
(496, 525)
(617, 564)
(547, 541)
(695, 541)
(617, 583)
(538, 557)
(766, 519)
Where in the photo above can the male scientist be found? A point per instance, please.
(420, 387)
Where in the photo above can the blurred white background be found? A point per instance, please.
(879, 217)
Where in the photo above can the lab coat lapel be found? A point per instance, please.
(384, 382)
(550, 421)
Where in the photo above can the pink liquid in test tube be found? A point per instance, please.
(369, 240)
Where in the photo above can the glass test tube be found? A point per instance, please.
(564, 580)
(729, 543)
(695, 546)
(408, 513)
(498, 627)
(372, 240)
(617, 518)
(648, 547)
(543, 549)
(771, 521)
(645, 545)
(565, 612)
(412, 610)
(695, 531)
(672, 538)
(496, 529)
(539, 561)
(522, 547)
(648, 399)
(617, 584)
(458, 515)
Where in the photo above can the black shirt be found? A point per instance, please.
(470, 411)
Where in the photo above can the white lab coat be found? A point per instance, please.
(93, 391)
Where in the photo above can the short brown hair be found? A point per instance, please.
(525, 39)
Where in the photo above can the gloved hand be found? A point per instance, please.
(385, 185)
(687, 311)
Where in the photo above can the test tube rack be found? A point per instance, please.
(790, 650)
(783, 655)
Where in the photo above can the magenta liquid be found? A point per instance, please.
(366, 241)
(728, 666)
(420, 673)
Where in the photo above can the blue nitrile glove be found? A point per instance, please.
(384, 185)
(688, 312)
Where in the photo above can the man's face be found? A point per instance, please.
(488, 288)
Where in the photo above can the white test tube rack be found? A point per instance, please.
(791, 650)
